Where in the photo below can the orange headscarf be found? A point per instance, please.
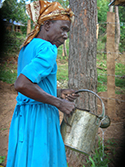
(40, 11)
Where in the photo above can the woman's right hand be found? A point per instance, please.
(66, 107)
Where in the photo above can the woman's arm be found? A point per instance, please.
(33, 91)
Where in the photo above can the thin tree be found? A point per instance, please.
(117, 20)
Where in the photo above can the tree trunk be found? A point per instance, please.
(110, 49)
(64, 53)
(28, 26)
(97, 26)
(82, 50)
(82, 58)
(117, 31)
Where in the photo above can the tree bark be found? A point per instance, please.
(64, 53)
(82, 59)
(82, 50)
(110, 49)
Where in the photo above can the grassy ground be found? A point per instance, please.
(13, 41)
(8, 66)
(8, 73)
(102, 71)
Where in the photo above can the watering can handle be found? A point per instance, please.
(90, 91)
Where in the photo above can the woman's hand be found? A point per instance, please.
(69, 94)
(66, 107)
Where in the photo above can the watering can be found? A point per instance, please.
(80, 129)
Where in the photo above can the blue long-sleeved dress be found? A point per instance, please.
(35, 139)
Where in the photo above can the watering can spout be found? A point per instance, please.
(105, 122)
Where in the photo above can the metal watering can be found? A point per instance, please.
(80, 129)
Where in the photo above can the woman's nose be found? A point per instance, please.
(65, 35)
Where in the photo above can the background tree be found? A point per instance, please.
(13, 10)
(117, 36)
(117, 27)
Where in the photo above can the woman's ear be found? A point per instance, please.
(47, 25)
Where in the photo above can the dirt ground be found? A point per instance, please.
(8, 101)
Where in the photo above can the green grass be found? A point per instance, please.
(62, 72)
(12, 43)
(2, 159)
(102, 75)
(8, 73)
(98, 158)
(100, 45)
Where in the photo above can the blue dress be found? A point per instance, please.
(35, 139)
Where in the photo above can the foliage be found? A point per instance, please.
(101, 84)
(102, 71)
(122, 39)
(64, 3)
(62, 73)
(120, 69)
(2, 159)
(13, 10)
(12, 42)
(122, 13)
(98, 158)
(122, 28)
(111, 145)
(8, 72)
(100, 45)
(102, 7)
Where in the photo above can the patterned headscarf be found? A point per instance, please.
(40, 11)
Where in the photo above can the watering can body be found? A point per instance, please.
(79, 134)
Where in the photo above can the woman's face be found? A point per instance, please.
(58, 32)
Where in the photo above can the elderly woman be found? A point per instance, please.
(35, 139)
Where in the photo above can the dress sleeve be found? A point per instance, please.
(42, 65)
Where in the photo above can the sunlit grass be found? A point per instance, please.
(62, 72)
(8, 73)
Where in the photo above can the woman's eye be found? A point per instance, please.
(65, 29)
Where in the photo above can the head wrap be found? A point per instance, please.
(40, 11)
